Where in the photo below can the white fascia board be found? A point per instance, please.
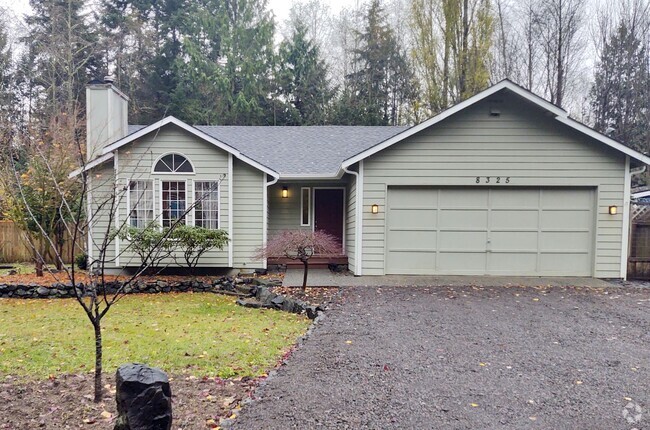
(312, 176)
(96, 162)
(641, 194)
(193, 130)
(604, 139)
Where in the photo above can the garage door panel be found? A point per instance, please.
(508, 231)
(410, 218)
(525, 241)
(565, 197)
(565, 264)
(511, 197)
(411, 263)
(513, 219)
(462, 241)
(568, 240)
(461, 262)
(462, 198)
(408, 197)
(512, 263)
(415, 240)
(566, 219)
(463, 219)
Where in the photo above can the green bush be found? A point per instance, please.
(81, 261)
(193, 242)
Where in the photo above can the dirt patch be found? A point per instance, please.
(316, 296)
(66, 402)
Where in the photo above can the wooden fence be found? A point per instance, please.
(638, 263)
(15, 249)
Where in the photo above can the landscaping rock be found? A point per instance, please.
(312, 312)
(42, 291)
(249, 303)
(144, 398)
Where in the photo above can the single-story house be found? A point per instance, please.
(503, 183)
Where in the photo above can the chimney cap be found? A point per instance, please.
(109, 79)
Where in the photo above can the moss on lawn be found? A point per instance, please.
(200, 334)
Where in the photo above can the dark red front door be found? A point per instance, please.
(328, 212)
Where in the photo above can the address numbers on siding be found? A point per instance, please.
(493, 179)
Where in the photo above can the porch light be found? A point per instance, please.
(374, 208)
(285, 192)
(613, 210)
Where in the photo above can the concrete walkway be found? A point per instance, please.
(327, 278)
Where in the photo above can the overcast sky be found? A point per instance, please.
(279, 7)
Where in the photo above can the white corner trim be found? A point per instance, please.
(604, 139)
(626, 218)
(89, 226)
(193, 130)
(359, 230)
(265, 212)
(118, 200)
(230, 212)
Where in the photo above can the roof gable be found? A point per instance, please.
(505, 85)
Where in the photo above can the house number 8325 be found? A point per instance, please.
(493, 179)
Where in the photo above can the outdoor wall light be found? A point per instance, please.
(285, 192)
(374, 208)
(613, 210)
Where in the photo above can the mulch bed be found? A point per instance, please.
(317, 296)
(65, 402)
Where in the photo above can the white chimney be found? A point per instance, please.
(106, 115)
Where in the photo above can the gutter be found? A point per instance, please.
(358, 217)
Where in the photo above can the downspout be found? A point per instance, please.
(265, 214)
(358, 217)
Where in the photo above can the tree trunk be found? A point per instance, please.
(98, 361)
(304, 276)
(38, 266)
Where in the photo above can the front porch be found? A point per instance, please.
(314, 206)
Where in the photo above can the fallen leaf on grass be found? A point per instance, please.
(106, 415)
(474, 405)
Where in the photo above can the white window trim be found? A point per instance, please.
(128, 198)
(194, 181)
(187, 199)
(153, 165)
(302, 204)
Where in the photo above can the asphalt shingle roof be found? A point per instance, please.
(314, 150)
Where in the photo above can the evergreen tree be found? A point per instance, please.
(383, 84)
(302, 80)
(63, 56)
(620, 95)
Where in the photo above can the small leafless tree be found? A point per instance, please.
(300, 245)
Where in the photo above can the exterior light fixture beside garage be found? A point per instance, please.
(374, 208)
(613, 210)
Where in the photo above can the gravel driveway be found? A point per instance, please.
(467, 357)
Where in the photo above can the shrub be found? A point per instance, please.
(81, 261)
(193, 242)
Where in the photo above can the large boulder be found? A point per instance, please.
(144, 398)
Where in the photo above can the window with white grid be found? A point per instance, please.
(206, 207)
(174, 202)
(140, 203)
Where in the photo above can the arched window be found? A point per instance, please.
(173, 163)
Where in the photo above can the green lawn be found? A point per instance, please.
(200, 334)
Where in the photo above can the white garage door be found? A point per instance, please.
(496, 231)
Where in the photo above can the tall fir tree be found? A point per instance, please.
(382, 84)
(302, 81)
(620, 95)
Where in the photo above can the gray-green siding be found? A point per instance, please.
(135, 161)
(523, 144)
(248, 214)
